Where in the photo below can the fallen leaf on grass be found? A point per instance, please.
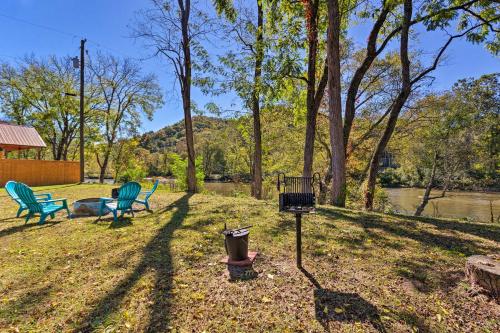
(197, 296)
(266, 299)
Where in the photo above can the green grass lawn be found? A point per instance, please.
(160, 271)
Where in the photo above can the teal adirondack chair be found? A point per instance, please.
(127, 194)
(44, 208)
(9, 188)
(147, 195)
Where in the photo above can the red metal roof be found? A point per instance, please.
(19, 137)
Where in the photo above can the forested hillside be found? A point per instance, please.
(169, 137)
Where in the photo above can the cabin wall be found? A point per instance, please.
(39, 172)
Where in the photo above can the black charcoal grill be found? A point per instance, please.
(298, 195)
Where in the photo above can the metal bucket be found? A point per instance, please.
(236, 242)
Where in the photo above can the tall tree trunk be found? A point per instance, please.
(117, 160)
(325, 183)
(446, 185)
(64, 155)
(188, 123)
(186, 95)
(312, 112)
(327, 178)
(104, 166)
(259, 56)
(395, 108)
(314, 94)
(335, 105)
(60, 149)
(311, 13)
(53, 146)
(493, 148)
(428, 188)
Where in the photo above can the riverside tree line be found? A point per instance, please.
(312, 98)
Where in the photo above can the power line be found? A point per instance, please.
(70, 34)
(41, 26)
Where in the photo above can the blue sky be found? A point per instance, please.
(105, 23)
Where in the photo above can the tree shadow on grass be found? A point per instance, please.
(483, 230)
(121, 222)
(422, 272)
(413, 319)
(425, 277)
(10, 219)
(333, 306)
(27, 226)
(27, 304)
(409, 229)
(156, 258)
(285, 224)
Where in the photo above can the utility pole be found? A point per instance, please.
(82, 120)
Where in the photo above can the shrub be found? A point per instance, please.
(179, 170)
(355, 197)
(390, 178)
(136, 173)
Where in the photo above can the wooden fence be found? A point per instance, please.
(39, 172)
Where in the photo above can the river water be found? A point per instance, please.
(470, 205)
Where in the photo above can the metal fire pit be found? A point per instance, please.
(88, 207)
(236, 242)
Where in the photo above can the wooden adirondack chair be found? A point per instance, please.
(147, 195)
(44, 208)
(9, 188)
(127, 194)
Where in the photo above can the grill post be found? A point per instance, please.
(297, 195)
(298, 230)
